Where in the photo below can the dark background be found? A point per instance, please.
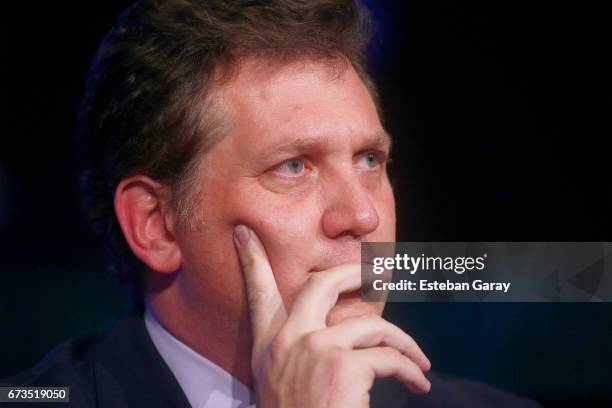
(500, 120)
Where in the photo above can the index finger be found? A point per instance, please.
(266, 306)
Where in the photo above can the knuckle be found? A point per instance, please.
(278, 345)
(247, 260)
(338, 359)
(257, 297)
(410, 341)
(370, 317)
(313, 342)
(391, 353)
(406, 338)
(317, 281)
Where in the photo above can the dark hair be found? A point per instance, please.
(155, 66)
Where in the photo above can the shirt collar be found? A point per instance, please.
(205, 384)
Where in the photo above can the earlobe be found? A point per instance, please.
(141, 206)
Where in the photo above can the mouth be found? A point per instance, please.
(348, 253)
(330, 265)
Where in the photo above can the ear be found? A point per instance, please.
(144, 214)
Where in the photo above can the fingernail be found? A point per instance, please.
(241, 235)
(427, 364)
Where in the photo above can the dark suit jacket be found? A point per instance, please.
(123, 369)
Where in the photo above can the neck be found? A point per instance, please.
(224, 340)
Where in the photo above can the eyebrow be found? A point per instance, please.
(380, 140)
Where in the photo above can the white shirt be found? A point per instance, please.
(205, 384)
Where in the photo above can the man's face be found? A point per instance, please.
(303, 166)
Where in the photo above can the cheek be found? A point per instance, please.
(288, 231)
(385, 206)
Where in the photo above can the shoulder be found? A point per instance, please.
(446, 391)
(120, 369)
(70, 364)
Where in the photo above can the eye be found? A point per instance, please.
(292, 167)
(371, 160)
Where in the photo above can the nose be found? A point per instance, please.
(349, 209)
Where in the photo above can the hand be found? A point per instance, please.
(298, 361)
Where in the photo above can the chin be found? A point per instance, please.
(352, 307)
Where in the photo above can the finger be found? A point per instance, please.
(266, 306)
(319, 295)
(386, 362)
(373, 330)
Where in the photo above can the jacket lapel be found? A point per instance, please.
(129, 372)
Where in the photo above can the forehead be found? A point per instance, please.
(300, 100)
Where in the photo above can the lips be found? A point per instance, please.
(323, 266)
(329, 266)
(342, 253)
